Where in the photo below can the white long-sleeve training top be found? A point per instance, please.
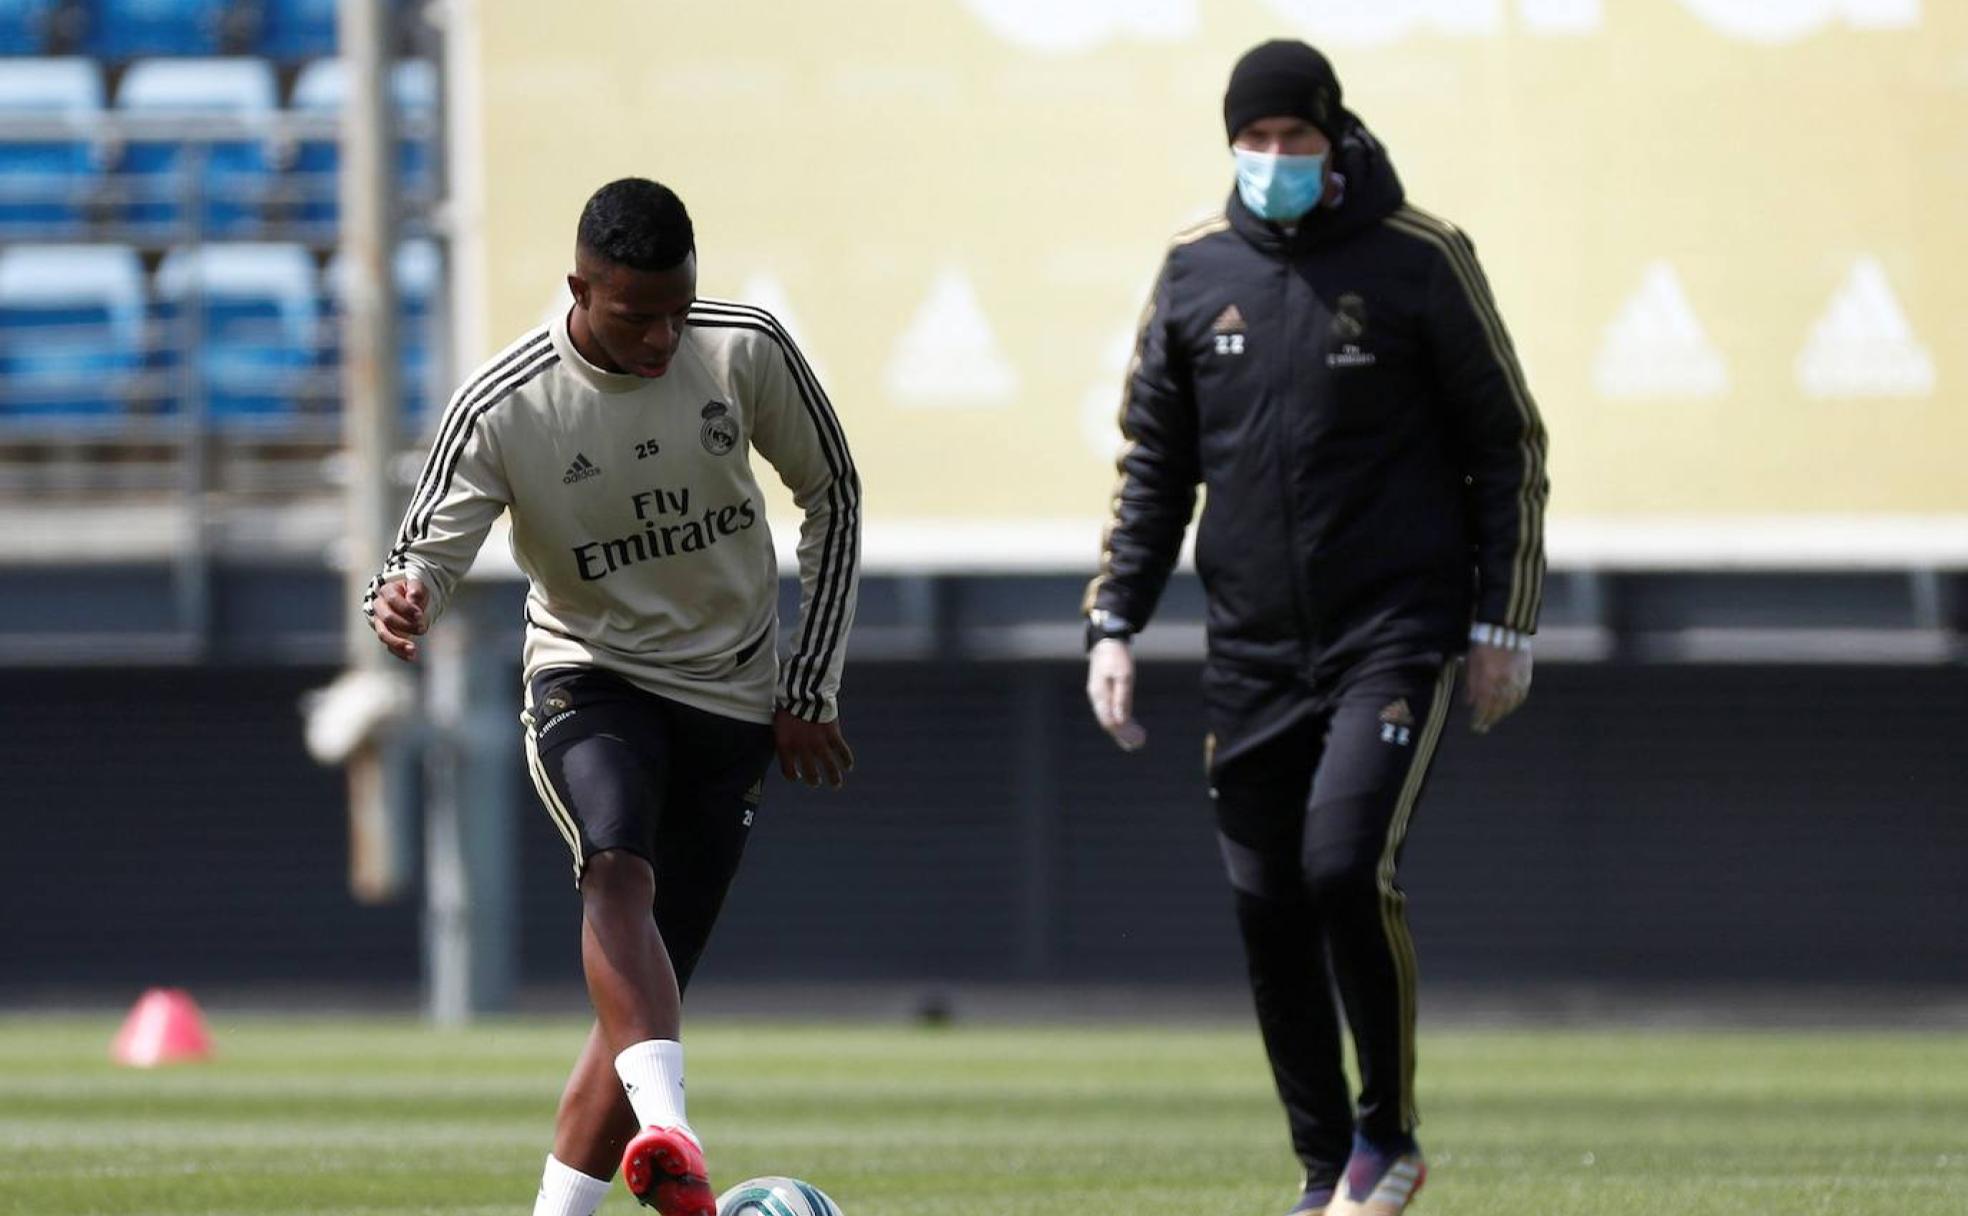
(636, 517)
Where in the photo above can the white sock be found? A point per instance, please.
(652, 1073)
(566, 1191)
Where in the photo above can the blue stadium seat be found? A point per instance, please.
(24, 26)
(419, 273)
(44, 183)
(297, 29)
(249, 315)
(125, 29)
(71, 329)
(320, 89)
(236, 177)
(419, 278)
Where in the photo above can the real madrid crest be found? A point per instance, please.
(1350, 317)
(556, 701)
(1349, 325)
(720, 433)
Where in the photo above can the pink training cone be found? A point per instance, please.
(164, 1027)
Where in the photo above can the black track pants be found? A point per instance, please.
(1311, 821)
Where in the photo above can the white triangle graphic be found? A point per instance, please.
(1656, 347)
(1862, 346)
(948, 358)
(764, 290)
(1100, 405)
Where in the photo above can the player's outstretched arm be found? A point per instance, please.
(459, 495)
(811, 752)
(1497, 428)
(795, 429)
(398, 617)
(1158, 470)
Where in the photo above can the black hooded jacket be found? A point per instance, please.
(1347, 394)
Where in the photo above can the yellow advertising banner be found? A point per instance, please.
(1728, 235)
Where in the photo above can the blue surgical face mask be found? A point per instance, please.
(1279, 188)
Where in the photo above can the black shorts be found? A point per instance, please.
(618, 767)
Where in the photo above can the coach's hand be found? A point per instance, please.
(399, 616)
(1110, 688)
(809, 751)
(1499, 680)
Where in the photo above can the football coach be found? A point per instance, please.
(1327, 360)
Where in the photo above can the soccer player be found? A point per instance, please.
(619, 437)
(1328, 361)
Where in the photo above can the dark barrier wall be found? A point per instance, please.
(1702, 824)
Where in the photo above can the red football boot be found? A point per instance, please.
(664, 1168)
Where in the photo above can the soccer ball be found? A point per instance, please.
(774, 1196)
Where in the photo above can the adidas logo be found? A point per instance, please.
(1656, 346)
(580, 470)
(767, 292)
(1097, 429)
(1397, 723)
(1229, 321)
(1862, 346)
(949, 357)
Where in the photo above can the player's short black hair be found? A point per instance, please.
(637, 223)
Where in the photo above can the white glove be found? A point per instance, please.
(1110, 689)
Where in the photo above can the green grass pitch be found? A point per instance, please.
(380, 1117)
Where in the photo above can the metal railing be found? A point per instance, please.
(191, 429)
(240, 177)
(151, 402)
